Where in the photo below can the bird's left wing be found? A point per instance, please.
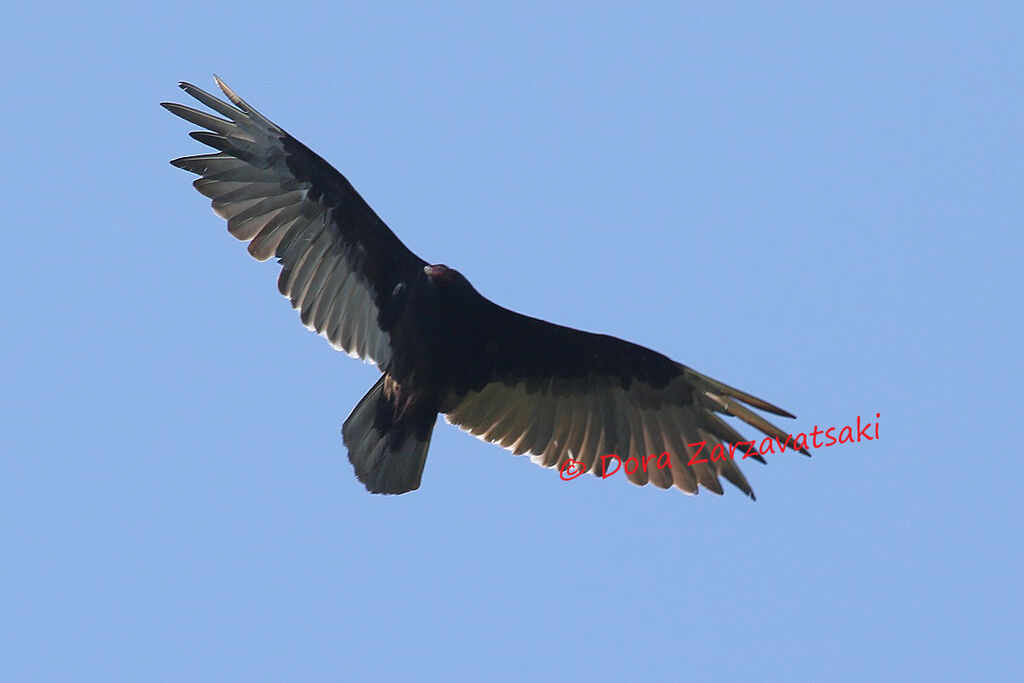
(558, 393)
(341, 265)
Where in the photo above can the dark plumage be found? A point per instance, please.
(529, 385)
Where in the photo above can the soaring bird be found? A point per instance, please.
(567, 397)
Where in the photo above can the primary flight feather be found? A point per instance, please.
(531, 386)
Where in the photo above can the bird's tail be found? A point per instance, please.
(387, 442)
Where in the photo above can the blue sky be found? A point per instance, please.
(817, 202)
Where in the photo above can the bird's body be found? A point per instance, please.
(534, 387)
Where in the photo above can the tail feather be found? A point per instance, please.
(387, 447)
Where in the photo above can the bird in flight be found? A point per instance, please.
(564, 396)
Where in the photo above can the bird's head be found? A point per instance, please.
(441, 274)
(449, 285)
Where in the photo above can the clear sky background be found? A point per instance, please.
(817, 202)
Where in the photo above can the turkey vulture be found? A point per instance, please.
(564, 396)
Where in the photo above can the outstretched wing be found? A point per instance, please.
(559, 393)
(341, 265)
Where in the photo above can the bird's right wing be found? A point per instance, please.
(342, 266)
(558, 394)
